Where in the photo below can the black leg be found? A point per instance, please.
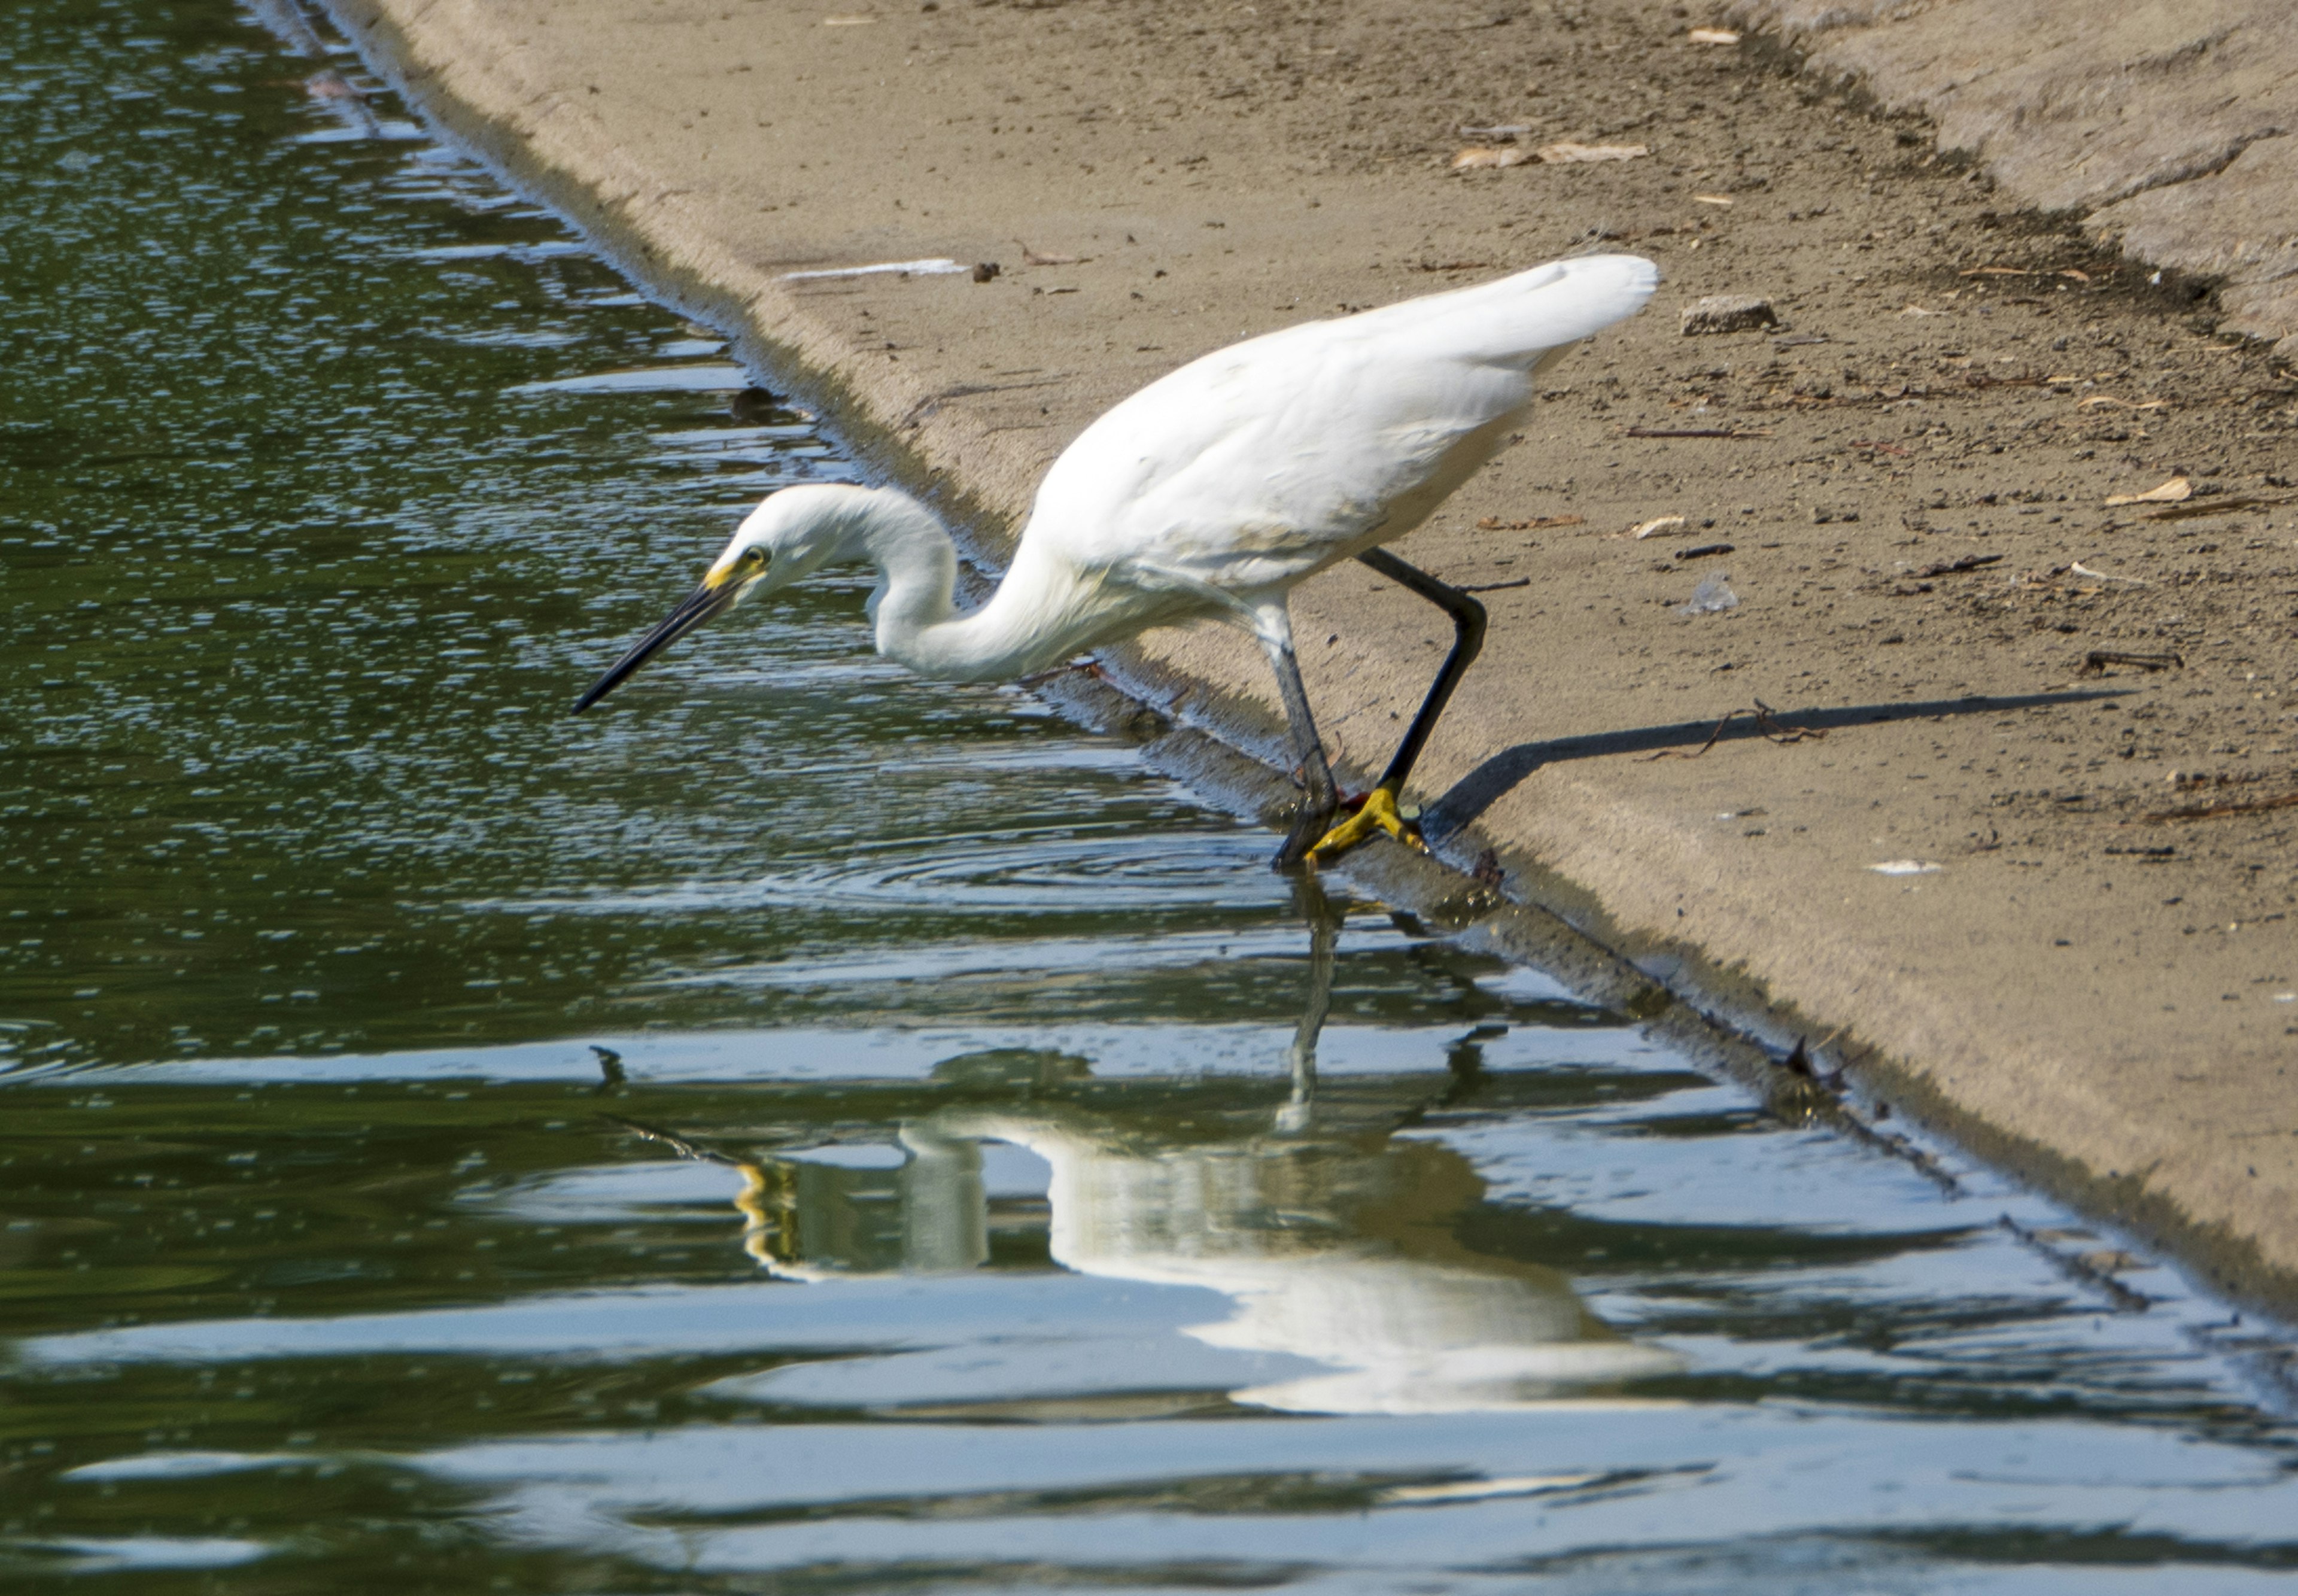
(1467, 638)
(1319, 800)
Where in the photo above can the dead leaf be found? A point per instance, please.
(1713, 35)
(2174, 492)
(1656, 525)
(1481, 155)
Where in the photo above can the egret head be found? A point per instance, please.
(791, 534)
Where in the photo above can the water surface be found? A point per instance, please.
(802, 1128)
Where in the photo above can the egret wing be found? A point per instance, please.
(1252, 467)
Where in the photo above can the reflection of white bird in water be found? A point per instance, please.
(1331, 1251)
(1344, 1258)
(1209, 494)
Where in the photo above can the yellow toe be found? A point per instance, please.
(1378, 813)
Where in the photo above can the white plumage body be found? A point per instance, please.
(1219, 487)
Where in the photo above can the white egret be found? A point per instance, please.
(1209, 494)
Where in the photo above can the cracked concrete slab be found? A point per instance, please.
(2172, 128)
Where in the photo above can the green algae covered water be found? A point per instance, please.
(803, 1129)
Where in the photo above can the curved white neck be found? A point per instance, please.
(1025, 626)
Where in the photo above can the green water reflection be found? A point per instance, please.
(803, 1129)
(303, 569)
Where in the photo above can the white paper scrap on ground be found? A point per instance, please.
(1906, 867)
(934, 268)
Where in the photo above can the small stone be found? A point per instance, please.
(1729, 313)
(985, 270)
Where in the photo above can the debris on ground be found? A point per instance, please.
(1768, 726)
(1569, 154)
(1713, 35)
(1952, 567)
(2096, 662)
(1556, 155)
(1699, 432)
(1030, 257)
(1485, 155)
(1729, 313)
(1536, 524)
(2283, 800)
(1655, 526)
(1713, 596)
(2175, 491)
(938, 266)
(1907, 867)
(1704, 549)
(2216, 507)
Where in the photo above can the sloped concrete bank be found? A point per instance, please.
(1910, 474)
(2169, 127)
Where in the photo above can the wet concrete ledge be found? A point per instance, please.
(711, 151)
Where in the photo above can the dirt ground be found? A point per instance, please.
(2163, 125)
(2068, 723)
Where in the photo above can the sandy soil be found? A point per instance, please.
(1911, 487)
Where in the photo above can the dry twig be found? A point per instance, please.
(1537, 524)
(2281, 800)
(1951, 568)
(2096, 662)
(1767, 725)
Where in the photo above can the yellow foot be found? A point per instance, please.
(1378, 812)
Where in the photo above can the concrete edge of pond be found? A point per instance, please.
(2185, 166)
(1570, 923)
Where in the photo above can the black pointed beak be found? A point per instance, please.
(697, 607)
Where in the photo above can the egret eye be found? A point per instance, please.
(756, 555)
